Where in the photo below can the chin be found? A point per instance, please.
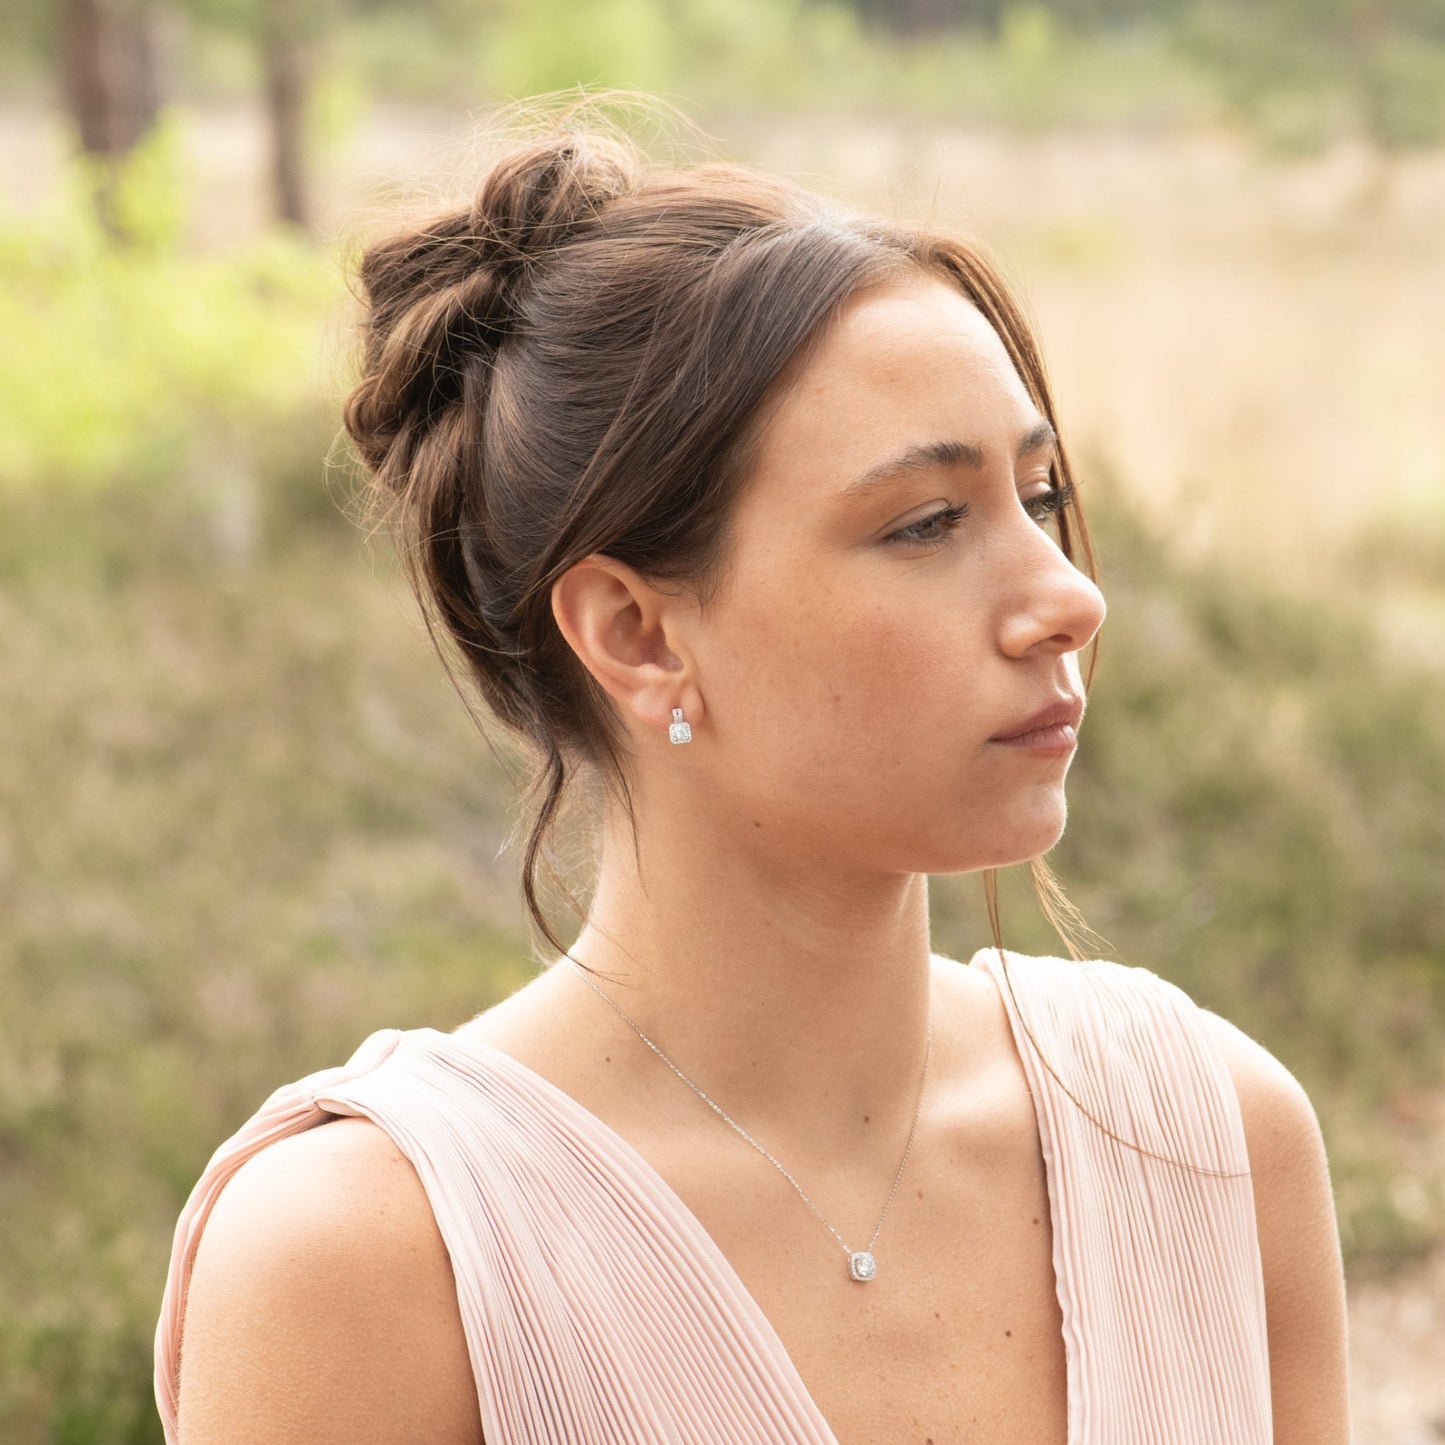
(1019, 844)
(1030, 837)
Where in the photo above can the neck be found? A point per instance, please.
(798, 1001)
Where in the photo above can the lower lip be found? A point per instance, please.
(1058, 740)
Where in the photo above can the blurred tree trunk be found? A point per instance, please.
(288, 57)
(110, 60)
(1370, 24)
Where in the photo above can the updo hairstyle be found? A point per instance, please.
(581, 360)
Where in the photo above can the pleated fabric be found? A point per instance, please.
(598, 1309)
(1156, 1259)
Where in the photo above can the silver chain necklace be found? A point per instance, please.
(861, 1264)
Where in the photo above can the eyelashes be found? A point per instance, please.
(948, 518)
(924, 532)
(1052, 503)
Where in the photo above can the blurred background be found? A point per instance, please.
(246, 822)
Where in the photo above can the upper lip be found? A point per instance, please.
(1067, 709)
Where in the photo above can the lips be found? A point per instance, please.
(1068, 709)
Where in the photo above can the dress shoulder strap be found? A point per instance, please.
(595, 1306)
(289, 1110)
(1156, 1252)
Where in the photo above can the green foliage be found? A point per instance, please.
(1041, 72)
(1402, 92)
(249, 827)
(713, 51)
(1304, 73)
(122, 359)
(1298, 73)
(737, 54)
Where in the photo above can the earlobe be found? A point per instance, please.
(624, 633)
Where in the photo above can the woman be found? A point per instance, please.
(749, 517)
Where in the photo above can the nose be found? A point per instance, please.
(1052, 607)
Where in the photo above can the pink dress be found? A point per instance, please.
(597, 1308)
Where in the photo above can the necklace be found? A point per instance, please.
(861, 1264)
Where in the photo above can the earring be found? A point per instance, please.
(679, 731)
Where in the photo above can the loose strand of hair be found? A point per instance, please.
(1061, 925)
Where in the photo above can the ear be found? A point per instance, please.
(630, 637)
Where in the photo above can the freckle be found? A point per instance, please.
(936, 1315)
(920, 1194)
(757, 823)
(1009, 1333)
(866, 1119)
(1035, 1221)
(609, 1058)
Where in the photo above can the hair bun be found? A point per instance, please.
(534, 199)
(442, 296)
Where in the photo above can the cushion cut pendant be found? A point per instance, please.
(862, 1266)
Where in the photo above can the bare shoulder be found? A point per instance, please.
(322, 1305)
(1299, 1243)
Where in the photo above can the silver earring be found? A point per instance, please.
(679, 731)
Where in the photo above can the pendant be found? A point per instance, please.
(862, 1266)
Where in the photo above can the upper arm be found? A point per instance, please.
(1299, 1244)
(322, 1305)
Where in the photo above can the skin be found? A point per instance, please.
(843, 692)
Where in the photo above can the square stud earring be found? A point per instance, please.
(679, 731)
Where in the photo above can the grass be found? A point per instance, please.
(248, 829)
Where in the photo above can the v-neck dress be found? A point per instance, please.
(598, 1309)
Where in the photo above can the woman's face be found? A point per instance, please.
(870, 644)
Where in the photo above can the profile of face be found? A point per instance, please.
(897, 600)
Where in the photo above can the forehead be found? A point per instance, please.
(910, 361)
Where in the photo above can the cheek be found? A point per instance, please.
(903, 691)
(823, 670)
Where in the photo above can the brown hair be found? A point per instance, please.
(580, 360)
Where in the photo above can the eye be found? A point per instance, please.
(1050, 504)
(923, 533)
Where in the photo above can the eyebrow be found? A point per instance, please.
(926, 456)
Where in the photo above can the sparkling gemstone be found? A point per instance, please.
(680, 732)
(862, 1265)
